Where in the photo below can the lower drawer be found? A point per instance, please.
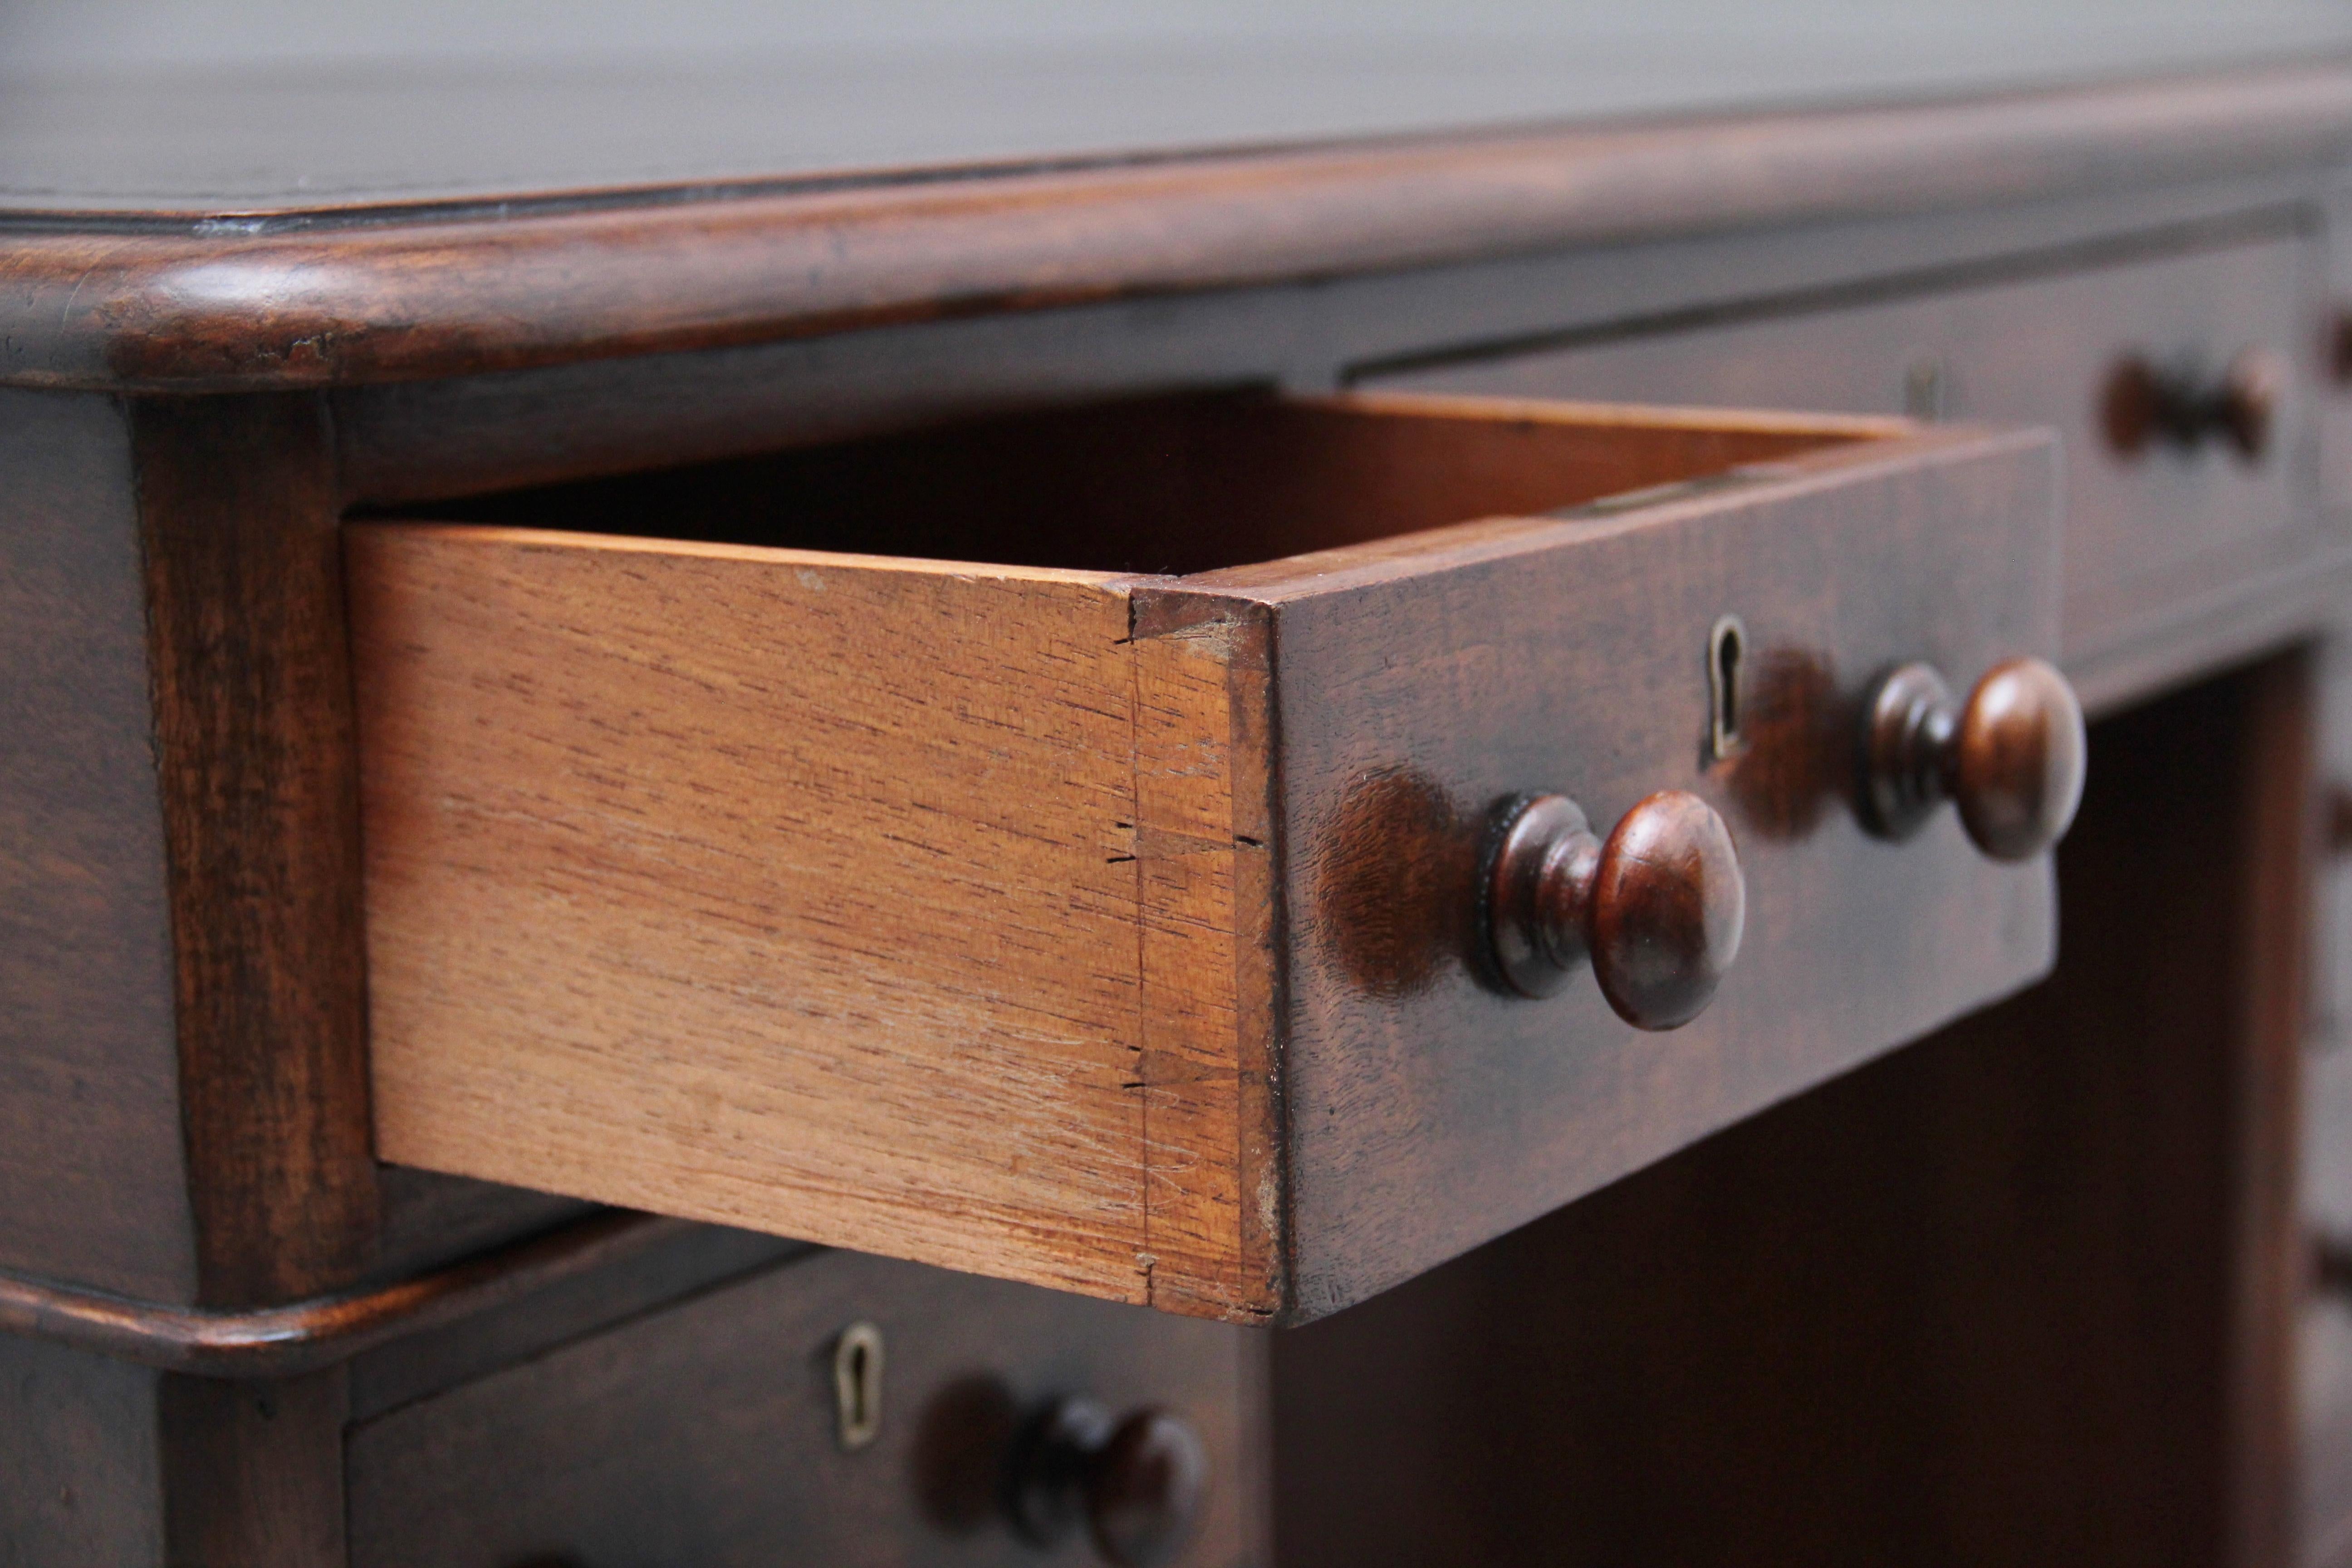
(713, 1434)
(2146, 529)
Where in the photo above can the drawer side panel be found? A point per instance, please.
(776, 889)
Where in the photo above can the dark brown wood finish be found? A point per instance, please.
(252, 1472)
(2041, 1258)
(669, 1263)
(1421, 682)
(1657, 908)
(188, 308)
(106, 1461)
(301, 1336)
(707, 1433)
(258, 767)
(2145, 405)
(2013, 1295)
(92, 1187)
(185, 1097)
(2151, 537)
(2009, 758)
(80, 1467)
(2266, 1255)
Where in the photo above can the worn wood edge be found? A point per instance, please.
(195, 309)
(1242, 1274)
(1486, 408)
(504, 537)
(1247, 632)
(319, 1330)
(1903, 447)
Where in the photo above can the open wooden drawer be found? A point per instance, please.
(1115, 916)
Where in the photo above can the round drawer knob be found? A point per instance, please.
(1136, 1484)
(2011, 758)
(2144, 404)
(1658, 907)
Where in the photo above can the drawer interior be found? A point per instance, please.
(1175, 485)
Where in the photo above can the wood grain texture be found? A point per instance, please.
(192, 308)
(257, 760)
(253, 1472)
(706, 1433)
(1205, 1023)
(820, 918)
(633, 938)
(93, 1185)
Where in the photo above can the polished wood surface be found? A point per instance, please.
(297, 1337)
(2009, 758)
(1416, 700)
(259, 774)
(2017, 759)
(1657, 908)
(193, 1082)
(706, 1431)
(2148, 537)
(1134, 1486)
(185, 306)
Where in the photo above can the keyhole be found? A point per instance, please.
(1727, 648)
(858, 1384)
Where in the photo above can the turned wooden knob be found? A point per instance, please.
(2011, 758)
(2145, 404)
(1658, 907)
(1136, 1484)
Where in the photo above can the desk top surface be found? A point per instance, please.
(235, 224)
(213, 110)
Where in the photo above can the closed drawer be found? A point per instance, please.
(715, 1433)
(1112, 917)
(2149, 531)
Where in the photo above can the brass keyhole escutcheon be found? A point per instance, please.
(858, 1386)
(1727, 680)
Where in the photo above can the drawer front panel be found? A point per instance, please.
(711, 1432)
(2144, 533)
(1429, 1110)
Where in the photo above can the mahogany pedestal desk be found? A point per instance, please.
(1208, 858)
